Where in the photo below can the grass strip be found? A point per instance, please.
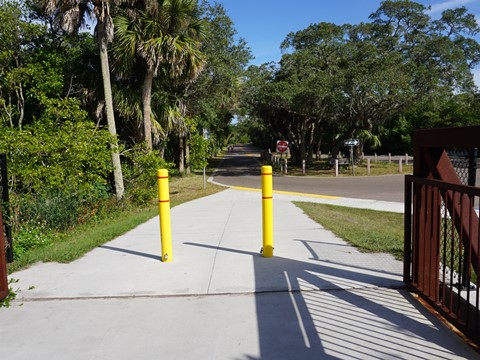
(86, 237)
(323, 169)
(367, 230)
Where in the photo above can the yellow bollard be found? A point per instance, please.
(267, 211)
(164, 210)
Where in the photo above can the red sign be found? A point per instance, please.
(282, 146)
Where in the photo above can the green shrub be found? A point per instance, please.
(49, 156)
(200, 151)
(59, 209)
(56, 210)
(140, 174)
(30, 235)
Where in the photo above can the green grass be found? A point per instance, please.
(321, 168)
(368, 230)
(85, 237)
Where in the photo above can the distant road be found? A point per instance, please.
(241, 167)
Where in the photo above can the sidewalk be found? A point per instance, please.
(317, 298)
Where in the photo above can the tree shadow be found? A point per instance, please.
(237, 165)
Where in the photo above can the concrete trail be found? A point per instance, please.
(317, 298)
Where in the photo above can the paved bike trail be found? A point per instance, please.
(317, 298)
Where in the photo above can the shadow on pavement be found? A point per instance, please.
(239, 166)
(131, 252)
(343, 321)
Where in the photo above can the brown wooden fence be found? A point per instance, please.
(442, 225)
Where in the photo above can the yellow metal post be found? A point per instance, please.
(164, 210)
(267, 211)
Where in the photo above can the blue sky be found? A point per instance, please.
(264, 24)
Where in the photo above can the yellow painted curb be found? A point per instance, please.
(245, 189)
(289, 193)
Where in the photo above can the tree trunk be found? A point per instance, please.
(187, 156)
(147, 108)
(107, 89)
(303, 151)
(357, 151)
(318, 145)
(20, 105)
(181, 162)
(311, 138)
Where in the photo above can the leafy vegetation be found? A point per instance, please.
(86, 118)
(10, 296)
(375, 81)
(36, 242)
(77, 135)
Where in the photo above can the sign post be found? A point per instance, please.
(206, 136)
(282, 147)
(351, 143)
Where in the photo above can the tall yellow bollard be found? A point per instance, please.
(164, 210)
(267, 211)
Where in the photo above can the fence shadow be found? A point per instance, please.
(318, 311)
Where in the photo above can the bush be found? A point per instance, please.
(29, 236)
(140, 174)
(200, 151)
(47, 156)
(55, 210)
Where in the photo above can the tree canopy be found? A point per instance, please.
(336, 82)
(176, 62)
(175, 73)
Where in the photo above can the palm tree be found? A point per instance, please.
(163, 39)
(71, 15)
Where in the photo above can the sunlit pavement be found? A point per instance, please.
(317, 298)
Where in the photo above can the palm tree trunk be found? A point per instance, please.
(147, 109)
(107, 88)
(187, 155)
(181, 157)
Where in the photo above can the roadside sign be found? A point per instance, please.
(351, 142)
(206, 134)
(282, 146)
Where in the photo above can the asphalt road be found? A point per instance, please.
(242, 168)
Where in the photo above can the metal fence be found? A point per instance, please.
(464, 161)
(442, 226)
(5, 202)
(3, 265)
(441, 248)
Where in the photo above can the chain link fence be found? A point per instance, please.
(464, 162)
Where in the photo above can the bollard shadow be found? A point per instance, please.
(311, 310)
(131, 252)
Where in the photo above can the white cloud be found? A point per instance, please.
(449, 4)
